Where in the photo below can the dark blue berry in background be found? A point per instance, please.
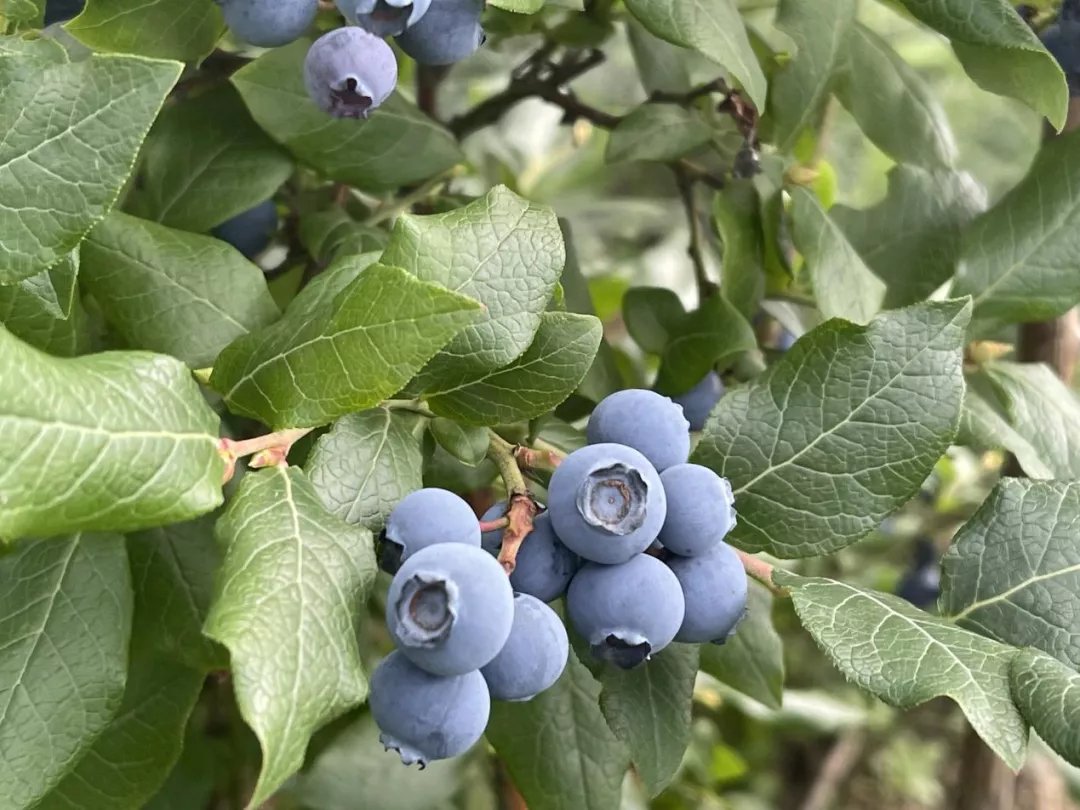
(544, 565)
(62, 10)
(269, 23)
(698, 402)
(251, 231)
(383, 18)
(921, 583)
(350, 72)
(447, 33)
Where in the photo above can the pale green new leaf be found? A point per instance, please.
(365, 464)
(561, 738)
(325, 359)
(56, 289)
(984, 424)
(711, 27)
(65, 621)
(1048, 695)
(844, 287)
(840, 431)
(186, 30)
(1013, 570)
(108, 442)
(286, 604)
(519, 6)
(648, 708)
(71, 134)
(398, 146)
(533, 384)
(1019, 259)
(658, 132)
(906, 657)
(171, 291)
(45, 310)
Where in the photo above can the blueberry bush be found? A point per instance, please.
(550, 394)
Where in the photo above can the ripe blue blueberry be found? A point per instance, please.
(349, 72)
(425, 717)
(698, 402)
(383, 18)
(785, 341)
(62, 10)
(268, 23)
(250, 232)
(1062, 39)
(700, 509)
(650, 423)
(544, 565)
(424, 518)
(606, 503)
(626, 612)
(534, 655)
(921, 583)
(450, 608)
(447, 33)
(714, 588)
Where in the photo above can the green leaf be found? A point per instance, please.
(55, 290)
(132, 757)
(108, 442)
(468, 444)
(561, 738)
(1048, 695)
(542, 378)
(712, 335)
(999, 51)
(1013, 570)
(711, 27)
(398, 146)
(653, 315)
(984, 424)
(45, 311)
(65, 620)
(173, 569)
(906, 657)
(290, 588)
(519, 6)
(737, 212)
(502, 250)
(206, 161)
(844, 287)
(841, 430)
(798, 90)
(661, 66)
(365, 464)
(185, 30)
(911, 239)
(658, 132)
(295, 373)
(1018, 260)
(752, 660)
(171, 291)
(648, 708)
(326, 234)
(72, 131)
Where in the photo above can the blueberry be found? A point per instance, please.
(921, 583)
(626, 612)
(714, 588)
(62, 10)
(269, 23)
(383, 18)
(350, 72)
(251, 231)
(544, 565)
(450, 608)
(700, 509)
(698, 402)
(650, 423)
(785, 341)
(606, 503)
(447, 33)
(425, 717)
(1062, 39)
(534, 655)
(424, 518)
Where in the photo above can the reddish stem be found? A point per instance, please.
(519, 519)
(494, 525)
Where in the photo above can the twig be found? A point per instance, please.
(717, 85)
(494, 525)
(760, 570)
(705, 287)
(268, 449)
(428, 78)
(538, 458)
(522, 506)
(403, 204)
(839, 763)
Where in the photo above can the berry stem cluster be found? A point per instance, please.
(522, 509)
(267, 450)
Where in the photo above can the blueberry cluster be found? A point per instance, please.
(350, 71)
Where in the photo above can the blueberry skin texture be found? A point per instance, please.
(544, 565)
(534, 655)
(268, 23)
(647, 421)
(430, 516)
(700, 509)
(714, 589)
(626, 612)
(449, 32)
(425, 717)
(450, 608)
(606, 502)
(251, 231)
(349, 73)
(698, 402)
(383, 18)
(62, 10)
